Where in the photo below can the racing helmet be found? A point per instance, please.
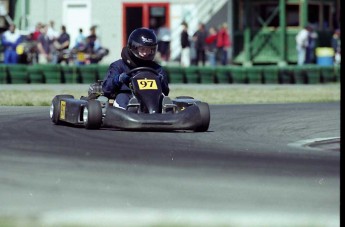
(142, 43)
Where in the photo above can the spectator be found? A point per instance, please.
(60, 44)
(211, 46)
(92, 43)
(310, 50)
(223, 43)
(10, 40)
(336, 44)
(51, 32)
(302, 44)
(154, 25)
(200, 44)
(44, 46)
(92, 40)
(164, 38)
(37, 32)
(80, 41)
(185, 45)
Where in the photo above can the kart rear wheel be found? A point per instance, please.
(92, 114)
(55, 108)
(205, 117)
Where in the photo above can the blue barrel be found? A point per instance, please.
(324, 56)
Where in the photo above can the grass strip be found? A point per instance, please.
(212, 94)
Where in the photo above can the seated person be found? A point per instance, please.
(140, 51)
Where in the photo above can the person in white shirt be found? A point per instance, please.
(52, 33)
(185, 46)
(10, 40)
(302, 44)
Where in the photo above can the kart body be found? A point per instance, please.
(147, 110)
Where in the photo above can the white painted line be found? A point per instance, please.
(306, 143)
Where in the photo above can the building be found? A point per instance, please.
(262, 31)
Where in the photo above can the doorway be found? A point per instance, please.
(76, 15)
(150, 15)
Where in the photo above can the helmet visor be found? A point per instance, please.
(143, 52)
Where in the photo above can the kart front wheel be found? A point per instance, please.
(205, 117)
(92, 114)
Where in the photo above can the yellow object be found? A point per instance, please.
(62, 110)
(147, 84)
(20, 49)
(81, 56)
(324, 52)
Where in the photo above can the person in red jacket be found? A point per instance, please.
(211, 46)
(223, 43)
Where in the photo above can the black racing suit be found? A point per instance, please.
(112, 87)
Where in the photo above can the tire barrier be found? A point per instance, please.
(72, 74)
(17, 74)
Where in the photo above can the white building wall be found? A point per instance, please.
(107, 15)
(45, 10)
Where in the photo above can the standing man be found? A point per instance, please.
(185, 45)
(302, 44)
(211, 44)
(61, 43)
(164, 38)
(92, 43)
(223, 43)
(10, 40)
(199, 38)
(336, 44)
(44, 46)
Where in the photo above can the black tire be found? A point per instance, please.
(205, 117)
(55, 108)
(92, 114)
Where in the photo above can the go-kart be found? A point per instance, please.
(147, 110)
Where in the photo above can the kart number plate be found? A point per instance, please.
(147, 84)
(62, 110)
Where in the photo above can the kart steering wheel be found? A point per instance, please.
(142, 68)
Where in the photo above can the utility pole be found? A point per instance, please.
(282, 25)
(247, 55)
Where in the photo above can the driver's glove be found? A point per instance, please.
(124, 78)
(95, 90)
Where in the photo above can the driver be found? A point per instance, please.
(140, 51)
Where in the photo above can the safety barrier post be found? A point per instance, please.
(88, 73)
(70, 74)
(3, 74)
(207, 75)
(238, 74)
(175, 74)
(192, 74)
(35, 74)
(222, 75)
(52, 73)
(254, 75)
(17, 74)
(271, 75)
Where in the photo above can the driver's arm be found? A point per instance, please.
(164, 81)
(111, 83)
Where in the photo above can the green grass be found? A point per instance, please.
(213, 94)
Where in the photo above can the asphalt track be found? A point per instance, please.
(258, 165)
